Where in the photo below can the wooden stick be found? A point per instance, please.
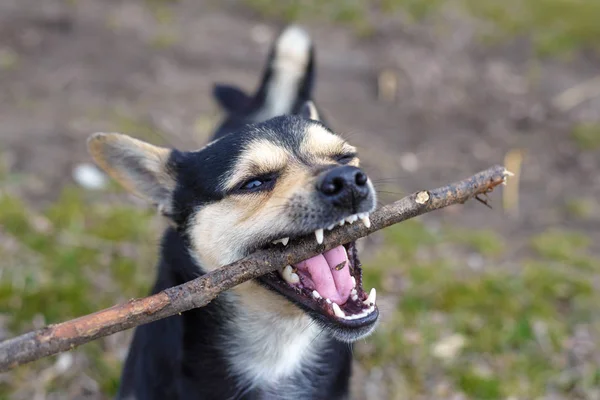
(57, 338)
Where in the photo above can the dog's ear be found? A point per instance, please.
(140, 167)
(308, 110)
(231, 98)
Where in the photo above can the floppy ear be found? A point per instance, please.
(232, 99)
(140, 167)
(308, 110)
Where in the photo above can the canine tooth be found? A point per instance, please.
(372, 297)
(328, 301)
(289, 275)
(319, 235)
(342, 222)
(316, 294)
(352, 218)
(330, 227)
(283, 241)
(364, 217)
(353, 282)
(354, 295)
(338, 311)
(353, 292)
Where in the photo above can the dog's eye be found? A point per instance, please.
(257, 184)
(253, 184)
(345, 158)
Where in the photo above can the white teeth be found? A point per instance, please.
(361, 315)
(316, 294)
(364, 217)
(353, 291)
(353, 281)
(372, 297)
(289, 275)
(338, 311)
(328, 301)
(283, 241)
(342, 222)
(330, 227)
(352, 218)
(354, 294)
(319, 235)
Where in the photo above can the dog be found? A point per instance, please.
(273, 173)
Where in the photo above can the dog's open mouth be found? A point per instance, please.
(329, 284)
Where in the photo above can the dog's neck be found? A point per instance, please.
(255, 351)
(265, 350)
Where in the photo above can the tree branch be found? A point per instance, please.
(200, 291)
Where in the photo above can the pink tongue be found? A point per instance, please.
(330, 279)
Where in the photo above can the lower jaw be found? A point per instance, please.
(354, 326)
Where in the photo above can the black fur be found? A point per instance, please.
(181, 357)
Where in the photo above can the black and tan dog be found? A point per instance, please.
(273, 173)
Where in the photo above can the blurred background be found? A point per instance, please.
(475, 303)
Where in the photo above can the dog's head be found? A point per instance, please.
(263, 186)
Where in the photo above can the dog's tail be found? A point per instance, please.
(288, 79)
(286, 84)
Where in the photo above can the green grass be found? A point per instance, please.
(349, 12)
(485, 242)
(555, 26)
(488, 334)
(581, 208)
(9, 59)
(514, 323)
(563, 246)
(75, 257)
(587, 136)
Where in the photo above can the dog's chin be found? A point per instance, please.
(347, 319)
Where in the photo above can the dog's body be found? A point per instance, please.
(265, 176)
(191, 356)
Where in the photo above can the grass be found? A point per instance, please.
(73, 258)
(9, 59)
(489, 333)
(580, 208)
(587, 136)
(508, 327)
(555, 26)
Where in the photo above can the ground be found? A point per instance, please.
(476, 303)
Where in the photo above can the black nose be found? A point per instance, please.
(344, 186)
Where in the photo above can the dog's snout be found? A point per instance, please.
(344, 186)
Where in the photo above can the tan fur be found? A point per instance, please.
(319, 143)
(261, 157)
(117, 154)
(235, 221)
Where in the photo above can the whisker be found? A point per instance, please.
(388, 192)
